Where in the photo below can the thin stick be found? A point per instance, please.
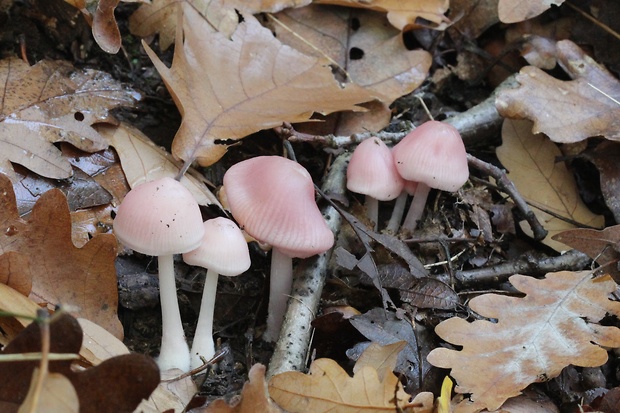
(44, 326)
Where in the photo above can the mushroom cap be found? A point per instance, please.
(272, 199)
(159, 217)
(372, 171)
(223, 249)
(434, 154)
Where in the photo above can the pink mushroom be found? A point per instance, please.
(372, 172)
(162, 218)
(272, 199)
(433, 155)
(223, 251)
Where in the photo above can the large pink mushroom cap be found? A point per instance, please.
(272, 199)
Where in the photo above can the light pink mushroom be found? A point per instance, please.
(162, 218)
(272, 199)
(223, 251)
(372, 172)
(433, 155)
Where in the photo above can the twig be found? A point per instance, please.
(507, 186)
(475, 125)
(44, 326)
(309, 277)
(528, 263)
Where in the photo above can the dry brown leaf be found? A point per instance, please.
(566, 111)
(534, 338)
(402, 14)
(254, 397)
(512, 11)
(61, 273)
(327, 387)
(381, 63)
(171, 394)
(605, 157)
(531, 163)
(227, 88)
(52, 102)
(105, 30)
(143, 161)
(471, 19)
(15, 272)
(57, 395)
(13, 302)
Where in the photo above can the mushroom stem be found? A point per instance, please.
(417, 207)
(372, 210)
(203, 344)
(397, 213)
(280, 287)
(174, 351)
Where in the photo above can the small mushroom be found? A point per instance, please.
(272, 199)
(162, 218)
(433, 155)
(223, 251)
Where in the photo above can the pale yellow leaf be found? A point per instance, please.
(143, 161)
(227, 88)
(13, 302)
(544, 183)
(170, 394)
(98, 344)
(533, 339)
(57, 395)
(381, 358)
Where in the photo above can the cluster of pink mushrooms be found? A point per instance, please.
(273, 200)
(431, 156)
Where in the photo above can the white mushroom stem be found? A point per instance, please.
(203, 344)
(372, 210)
(397, 213)
(417, 207)
(174, 351)
(279, 291)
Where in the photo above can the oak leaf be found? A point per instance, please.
(546, 184)
(566, 111)
(513, 11)
(52, 102)
(402, 14)
(533, 339)
(57, 395)
(227, 88)
(61, 273)
(327, 387)
(105, 29)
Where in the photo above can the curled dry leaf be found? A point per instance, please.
(105, 28)
(513, 11)
(53, 102)
(61, 273)
(227, 88)
(12, 302)
(534, 338)
(403, 14)
(566, 111)
(543, 182)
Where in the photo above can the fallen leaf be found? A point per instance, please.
(566, 111)
(13, 302)
(254, 397)
(403, 14)
(171, 393)
(57, 395)
(52, 102)
(471, 19)
(605, 157)
(61, 273)
(227, 88)
(428, 292)
(381, 358)
(105, 29)
(143, 161)
(513, 11)
(15, 272)
(134, 376)
(533, 339)
(98, 344)
(327, 387)
(544, 183)
(373, 55)
(602, 246)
